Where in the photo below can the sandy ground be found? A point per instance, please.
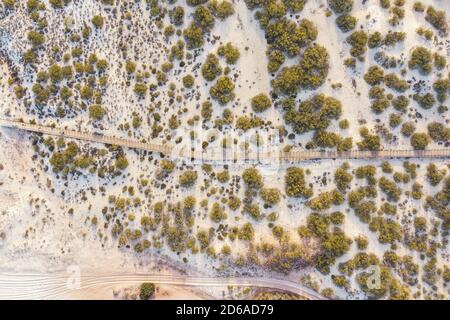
(40, 235)
(164, 292)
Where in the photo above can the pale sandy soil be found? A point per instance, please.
(106, 292)
(39, 233)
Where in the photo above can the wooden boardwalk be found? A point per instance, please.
(292, 156)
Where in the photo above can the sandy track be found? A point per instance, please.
(52, 286)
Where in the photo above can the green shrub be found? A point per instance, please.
(374, 76)
(203, 18)
(177, 16)
(55, 73)
(121, 162)
(361, 242)
(188, 81)
(9, 4)
(427, 34)
(324, 139)
(261, 102)
(344, 124)
(140, 89)
(234, 203)
(288, 80)
(147, 290)
(385, 4)
(217, 213)
(390, 189)
(393, 82)
(364, 210)
(340, 6)
(206, 110)
(98, 21)
(136, 122)
(252, 4)
(314, 67)
(102, 65)
(438, 132)
(345, 144)
(245, 123)
(309, 74)
(379, 105)
(394, 37)
(314, 114)
(400, 103)
(252, 178)
(375, 40)
(194, 3)
(350, 63)
(86, 92)
(295, 184)
(358, 40)
(337, 218)
(318, 224)
(421, 59)
(223, 176)
(426, 101)
(59, 160)
(346, 22)
(41, 94)
(189, 202)
(246, 232)
(294, 6)
(193, 35)
(439, 61)
(37, 39)
(441, 87)
(419, 6)
(434, 175)
(222, 91)
(230, 53)
(408, 129)
(211, 68)
(386, 167)
(270, 195)
(325, 200)
(342, 178)
(167, 165)
(388, 230)
(203, 238)
(369, 142)
(340, 281)
(130, 67)
(288, 37)
(276, 60)
(336, 244)
(253, 210)
(419, 141)
(96, 112)
(188, 178)
(395, 120)
(437, 19)
(169, 31)
(273, 10)
(221, 9)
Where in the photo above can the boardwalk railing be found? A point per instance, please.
(168, 150)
